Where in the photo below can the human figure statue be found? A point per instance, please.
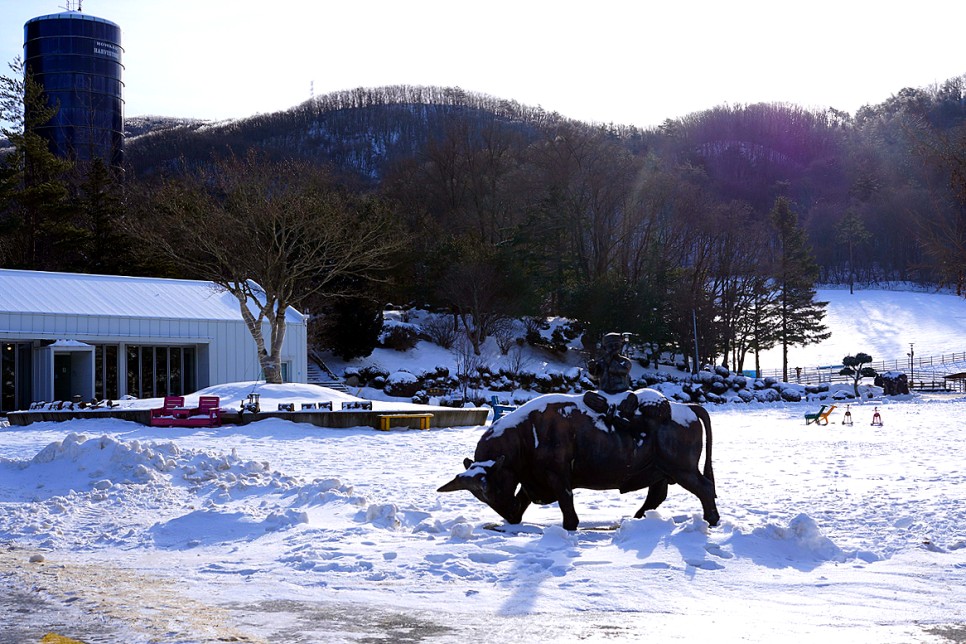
(610, 369)
(612, 372)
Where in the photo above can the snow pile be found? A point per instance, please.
(156, 493)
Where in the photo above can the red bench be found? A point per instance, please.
(206, 414)
(163, 416)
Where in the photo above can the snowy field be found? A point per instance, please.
(881, 323)
(283, 532)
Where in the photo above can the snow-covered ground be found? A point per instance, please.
(284, 532)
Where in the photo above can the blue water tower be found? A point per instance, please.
(77, 59)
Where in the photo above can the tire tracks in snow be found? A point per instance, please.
(104, 603)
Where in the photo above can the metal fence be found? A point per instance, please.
(927, 373)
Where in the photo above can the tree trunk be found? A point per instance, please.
(271, 369)
(851, 271)
(278, 337)
(269, 359)
(472, 332)
(784, 360)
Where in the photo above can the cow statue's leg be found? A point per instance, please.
(523, 501)
(566, 502)
(563, 493)
(656, 494)
(703, 488)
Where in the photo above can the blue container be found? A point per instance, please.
(77, 59)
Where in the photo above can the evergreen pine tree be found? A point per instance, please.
(36, 207)
(760, 321)
(99, 244)
(798, 316)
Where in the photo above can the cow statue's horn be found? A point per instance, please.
(458, 483)
(463, 481)
(474, 478)
(474, 482)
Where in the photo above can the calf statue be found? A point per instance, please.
(555, 443)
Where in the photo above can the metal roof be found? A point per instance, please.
(72, 15)
(36, 292)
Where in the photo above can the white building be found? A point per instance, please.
(97, 336)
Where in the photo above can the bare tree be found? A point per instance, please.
(474, 285)
(468, 364)
(441, 330)
(851, 233)
(271, 234)
(503, 334)
(517, 359)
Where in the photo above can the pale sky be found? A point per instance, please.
(628, 62)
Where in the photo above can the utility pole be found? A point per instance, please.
(912, 373)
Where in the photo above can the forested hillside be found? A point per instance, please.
(708, 222)
(360, 131)
(879, 171)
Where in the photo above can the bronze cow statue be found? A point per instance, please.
(555, 443)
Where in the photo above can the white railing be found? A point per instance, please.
(927, 373)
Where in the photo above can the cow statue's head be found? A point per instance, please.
(491, 483)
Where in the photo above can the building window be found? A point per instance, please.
(105, 372)
(188, 370)
(176, 386)
(15, 372)
(8, 377)
(162, 378)
(133, 370)
(147, 372)
(153, 372)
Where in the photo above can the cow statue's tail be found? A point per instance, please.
(702, 413)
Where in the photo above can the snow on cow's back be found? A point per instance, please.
(538, 404)
(681, 413)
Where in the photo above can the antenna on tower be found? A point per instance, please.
(312, 90)
(74, 5)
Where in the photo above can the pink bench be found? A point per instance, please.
(163, 416)
(206, 414)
